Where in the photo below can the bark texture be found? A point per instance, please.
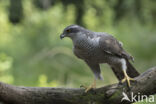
(145, 84)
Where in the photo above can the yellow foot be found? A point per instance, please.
(90, 87)
(128, 79)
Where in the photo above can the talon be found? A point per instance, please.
(82, 86)
(128, 79)
(90, 87)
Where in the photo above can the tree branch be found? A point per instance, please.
(145, 84)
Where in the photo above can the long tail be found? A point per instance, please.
(131, 71)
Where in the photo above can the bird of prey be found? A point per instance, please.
(96, 48)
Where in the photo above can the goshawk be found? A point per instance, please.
(98, 47)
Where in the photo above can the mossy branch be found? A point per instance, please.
(145, 84)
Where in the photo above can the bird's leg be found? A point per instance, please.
(93, 85)
(127, 78)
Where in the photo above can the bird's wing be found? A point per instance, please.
(111, 46)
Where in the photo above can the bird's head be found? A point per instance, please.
(72, 31)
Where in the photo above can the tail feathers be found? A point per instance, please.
(118, 72)
(131, 71)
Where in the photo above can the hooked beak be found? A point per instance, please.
(62, 36)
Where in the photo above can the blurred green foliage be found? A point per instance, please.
(31, 53)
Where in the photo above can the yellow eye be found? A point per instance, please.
(68, 30)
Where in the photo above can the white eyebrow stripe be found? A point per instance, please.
(74, 26)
